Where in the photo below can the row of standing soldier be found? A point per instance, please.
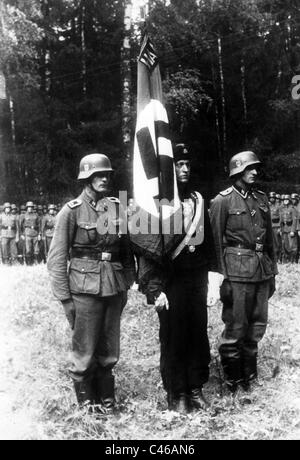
(91, 272)
(285, 215)
(26, 237)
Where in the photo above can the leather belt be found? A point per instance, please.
(276, 220)
(94, 255)
(289, 222)
(258, 247)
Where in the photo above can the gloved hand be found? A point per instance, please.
(161, 302)
(215, 280)
(226, 292)
(272, 286)
(69, 311)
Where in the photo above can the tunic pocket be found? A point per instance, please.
(84, 276)
(241, 263)
(86, 233)
(236, 219)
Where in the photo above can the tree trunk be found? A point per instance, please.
(45, 58)
(224, 128)
(126, 79)
(83, 47)
(244, 97)
(217, 120)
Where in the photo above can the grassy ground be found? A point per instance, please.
(37, 399)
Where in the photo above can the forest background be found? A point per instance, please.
(68, 87)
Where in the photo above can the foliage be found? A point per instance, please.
(227, 68)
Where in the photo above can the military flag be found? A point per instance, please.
(154, 178)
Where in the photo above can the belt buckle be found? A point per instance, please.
(259, 247)
(106, 256)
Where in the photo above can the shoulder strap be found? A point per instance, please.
(74, 203)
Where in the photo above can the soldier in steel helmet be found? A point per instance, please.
(288, 221)
(9, 226)
(21, 243)
(296, 204)
(90, 231)
(48, 226)
(242, 227)
(30, 233)
(275, 217)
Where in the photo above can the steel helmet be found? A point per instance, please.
(7, 205)
(287, 197)
(272, 195)
(14, 206)
(278, 197)
(29, 204)
(241, 161)
(51, 206)
(295, 196)
(93, 163)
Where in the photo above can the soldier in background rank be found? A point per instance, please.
(30, 229)
(9, 226)
(21, 244)
(89, 231)
(288, 220)
(48, 226)
(242, 227)
(275, 217)
(296, 205)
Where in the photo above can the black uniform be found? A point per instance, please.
(185, 353)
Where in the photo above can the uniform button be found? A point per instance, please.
(82, 269)
(258, 238)
(239, 253)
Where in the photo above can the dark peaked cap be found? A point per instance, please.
(181, 152)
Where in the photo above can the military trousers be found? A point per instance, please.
(185, 353)
(289, 247)
(245, 318)
(31, 248)
(96, 335)
(277, 242)
(48, 240)
(9, 249)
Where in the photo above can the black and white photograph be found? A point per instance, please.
(150, 222)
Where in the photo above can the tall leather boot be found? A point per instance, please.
(232, 373)
(197, 400)
(106, 391)
(84, 392)
(181, 404)
(249, 370)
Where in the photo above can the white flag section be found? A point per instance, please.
(154, 177)
(147, 186)
(2, 86)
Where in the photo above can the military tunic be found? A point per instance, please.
(30, 228)
(242, 227)
(9, 235)
(94, 268)
(47, 230)
(288, 221)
